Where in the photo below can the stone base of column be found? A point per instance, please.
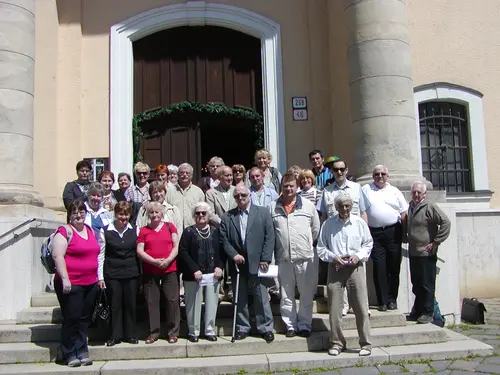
(18, 211)
(15, 194)
(401, 181)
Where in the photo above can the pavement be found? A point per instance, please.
(488, 333)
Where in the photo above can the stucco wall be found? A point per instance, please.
(456, 41)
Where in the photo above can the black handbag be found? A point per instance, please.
(473, 311)
(101, 310)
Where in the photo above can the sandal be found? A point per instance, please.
(172, 339)
(151, 339)
(334, 351)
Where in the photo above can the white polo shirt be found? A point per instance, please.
(385, 206)
(327, 204)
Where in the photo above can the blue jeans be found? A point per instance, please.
(76, 307)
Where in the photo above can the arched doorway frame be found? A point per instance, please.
(193, 13)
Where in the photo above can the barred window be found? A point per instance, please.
(444, 137)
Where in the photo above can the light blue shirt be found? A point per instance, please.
(264, 198)
(243, 223)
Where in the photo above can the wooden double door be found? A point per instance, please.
(200, 64)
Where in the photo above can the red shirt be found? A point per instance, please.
(158, 245)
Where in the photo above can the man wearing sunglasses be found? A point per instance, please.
(247, 237)
(386, 210)
(327, 208)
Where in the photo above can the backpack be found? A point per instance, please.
(438, 318)
(46, 250)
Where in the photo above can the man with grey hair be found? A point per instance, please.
(211, 181)
(427, 227)
(345, 242)
(386, 210)
(184, 195)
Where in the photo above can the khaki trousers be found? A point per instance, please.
(353, 278)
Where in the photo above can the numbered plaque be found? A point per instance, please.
(300, 114)
(299, 102)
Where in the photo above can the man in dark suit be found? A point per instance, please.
(247, 236)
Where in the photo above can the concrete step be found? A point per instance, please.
(271, 362)
(318, 341)
(40, 332)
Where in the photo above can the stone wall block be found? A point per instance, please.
(379, 58)
(376, 19)
(16, 155)
(382, 96)
(16, 108)
(17, 30)
(384, 140)
(16, 72)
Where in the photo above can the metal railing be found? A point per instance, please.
(24, 223)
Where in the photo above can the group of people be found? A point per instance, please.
(176, 237)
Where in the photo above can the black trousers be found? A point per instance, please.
(423, 279)
(386, 256)
(122, 295)
(77, 307)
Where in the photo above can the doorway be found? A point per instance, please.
(205, 64)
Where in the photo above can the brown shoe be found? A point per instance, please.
(151, 339)
(172, 339)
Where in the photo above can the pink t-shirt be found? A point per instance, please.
(81, 257)
(158, 245)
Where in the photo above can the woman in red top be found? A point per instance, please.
(75, 284)
(157, 248)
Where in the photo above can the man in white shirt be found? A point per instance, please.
(340, 170)
(386, 211)
(345, 242)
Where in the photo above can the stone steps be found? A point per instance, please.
(11, 353)
(300, 360)
(46, 331)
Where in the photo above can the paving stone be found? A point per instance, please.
(464, 365)
(418, 367)
(485, 367)
(444, 372)
(486, 332)
(333, 372)
(371, 370)
(495, 360)
(389, 368)
(461, 372)
(440, 365)
(492, 342)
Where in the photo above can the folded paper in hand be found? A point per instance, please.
(207, 279)
(272, 271)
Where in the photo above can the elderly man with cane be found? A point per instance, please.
(247, 237)
(345, 242)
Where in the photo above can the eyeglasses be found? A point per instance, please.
(79, 213)
(339, 169)
(240, 196)
(379, 174)
(200, 213)
(237, 171)
(142, 173)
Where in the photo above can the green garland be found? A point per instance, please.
(213, 109)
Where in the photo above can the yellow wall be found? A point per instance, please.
(452, 41)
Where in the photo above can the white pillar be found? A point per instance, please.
(381, 88)
(17, 60)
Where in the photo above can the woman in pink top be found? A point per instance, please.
(75, 284)
(157, 248)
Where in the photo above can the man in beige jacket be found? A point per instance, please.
(427, 228)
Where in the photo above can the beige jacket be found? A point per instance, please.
(172, 215)
(215, 198)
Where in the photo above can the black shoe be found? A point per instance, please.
(382, 308)
(132, 340)
(268, 336)
(411, 318)
(193, 338)
(241, 335)
(424, 319)
(211, 337)
(392, 306)
(304, 333)
(290, 333)
(112, 342)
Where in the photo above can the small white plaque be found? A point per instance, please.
(299, 102)
(300, 114)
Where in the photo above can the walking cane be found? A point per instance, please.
(235, 300)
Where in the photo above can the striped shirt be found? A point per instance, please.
(135, 195)
(322, 177)
(313, 195)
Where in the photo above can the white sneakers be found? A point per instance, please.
(336, 350)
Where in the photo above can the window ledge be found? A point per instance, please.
(477, 200)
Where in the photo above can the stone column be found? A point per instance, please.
(17, 60)
(381, 90)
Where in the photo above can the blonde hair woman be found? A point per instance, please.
(308, 189)
(272, 177)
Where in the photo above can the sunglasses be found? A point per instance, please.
(200, 213)
(240, 196)
(237, 171)
(142, 173)
(339, 169)
(379, 174)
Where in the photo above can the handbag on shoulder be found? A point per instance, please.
(473, 311)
